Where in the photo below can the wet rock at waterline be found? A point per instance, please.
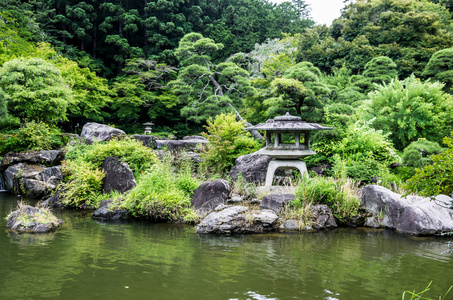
(54, 201)
(238, 219)
(412, 215)
(109, 211)
(209, 195)
(34, 181)
(47, 158)
(99, 132)
(32, 219)
(276, 202)
(322, 217)
(118, 176)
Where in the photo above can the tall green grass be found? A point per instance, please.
(340, 195)
(163, 194)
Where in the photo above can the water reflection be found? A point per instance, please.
(87, 259)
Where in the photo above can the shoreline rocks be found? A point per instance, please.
(209, 195)
(410, 215)
(108, 210)
(238, 219)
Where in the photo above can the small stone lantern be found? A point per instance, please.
(287, 155)
(148, 127)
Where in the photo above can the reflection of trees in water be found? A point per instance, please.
(173, 261)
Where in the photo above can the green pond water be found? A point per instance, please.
(87, 259)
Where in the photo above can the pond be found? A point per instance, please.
(87, 259)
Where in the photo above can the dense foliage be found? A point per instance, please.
(380, 75)
(82, 167)
(228, 140)
(410, 109)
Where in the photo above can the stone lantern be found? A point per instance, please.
(287, 155)
(148, 127)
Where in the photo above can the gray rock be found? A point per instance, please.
(180, 145)
(322, 217)
(238, 219)
(147, 140)
(276, 202)
(99, 132)
(235, 198)
(34, 181)
(195, 137)
(209, 195)
(253, 167)
(412, 215)
(48, 158)
(32, 219)
(109, 211)
(118, 176)
(290, 225)
(54, 201)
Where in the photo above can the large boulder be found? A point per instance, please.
(109, 211)
(32, 219)
(99, 132)
(412, 215)
(238, 219)
(253, 167)
(34, 181)
(47, 158)
(118, 176)
(209, 195)
(276, 202)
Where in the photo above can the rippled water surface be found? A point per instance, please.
(87, 259)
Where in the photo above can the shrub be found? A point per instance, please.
(126, 149)
(83, 176)
(409, 110)
(162, 194)
(437, 178)
(417, 154)
(359, 152)
(340, 195)
(84, 183)
(228, 140)
(32, 136)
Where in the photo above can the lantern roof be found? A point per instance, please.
(288, 123)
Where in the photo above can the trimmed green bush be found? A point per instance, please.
(436, 178)
(417, 154)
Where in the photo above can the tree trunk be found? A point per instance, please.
(256, 135)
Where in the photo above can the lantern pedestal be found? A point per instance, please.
(284, 164)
